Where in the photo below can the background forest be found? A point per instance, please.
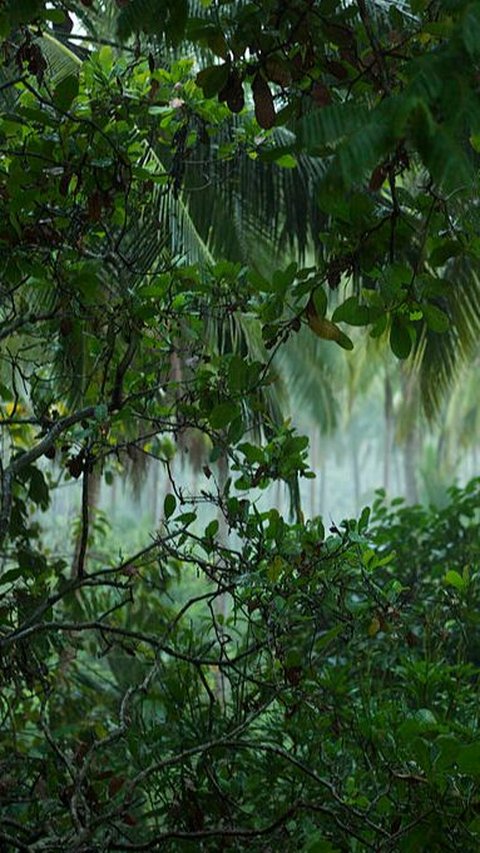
(239, 525)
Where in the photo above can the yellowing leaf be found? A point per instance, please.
(325, 328)
(374, 627)
(275, 568)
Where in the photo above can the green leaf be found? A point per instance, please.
(222, 414)
(237, 374)
(212, 529)
(447, 249)
(326, 638)
(65, 92)
(11, 575)
(320, 301)
(5, 393)
(421, 721)
(344, 341)
(252, 453)
(236, 430)
(212, 79)
(317, 843)
(363, 520)
(447, 747)
(169, 505)
(351, 312)
(468, 759)
(287, 161)
(275, 568)
(453, 578)
(400, 338)
(38, 491)
(435, 318)
(471, 29)
(186, 518)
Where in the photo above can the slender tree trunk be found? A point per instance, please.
(314, 483)
(323, 487)
(410, 454)
(356, 474)
(155, 490)
(411, 443)
(221, 601)
(387, 453)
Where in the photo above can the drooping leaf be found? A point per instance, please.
(263, 100)
(400, 338)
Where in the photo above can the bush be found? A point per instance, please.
(316, 692)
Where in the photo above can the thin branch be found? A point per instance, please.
(8, 329)
(80, 561)
(25, 459)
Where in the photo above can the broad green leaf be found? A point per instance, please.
(436, 319)
(222, 414)
(252, 453)
(275, 568)
(212, 79)
(447, 249)
(211, 529)
(10, 576)
(447, 748)
(38, 491)
(169, 505)
(453, 578)
(351, 312)
(400, 338)
(65, 92)
(237, 374)
(320, 301)
(468, 759)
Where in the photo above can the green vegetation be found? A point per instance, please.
(210, 212)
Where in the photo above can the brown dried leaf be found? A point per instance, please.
(277, 71)
(377, 178)
(336, 69)
(263, 99)
(320, 94)
(95, 206)
(232, 93)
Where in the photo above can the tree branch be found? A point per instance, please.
(30, 456)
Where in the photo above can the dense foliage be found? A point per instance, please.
(234, 679)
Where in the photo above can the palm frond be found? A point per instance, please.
(62, 58)
(246, 204)
(440, 357)
(309, 372)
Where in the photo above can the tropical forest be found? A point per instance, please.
(239, 403)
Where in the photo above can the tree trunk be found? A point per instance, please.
(221, 602)
(387, 453)
(90, 498)
(356, 474)
(411, 441)
(314, 482)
